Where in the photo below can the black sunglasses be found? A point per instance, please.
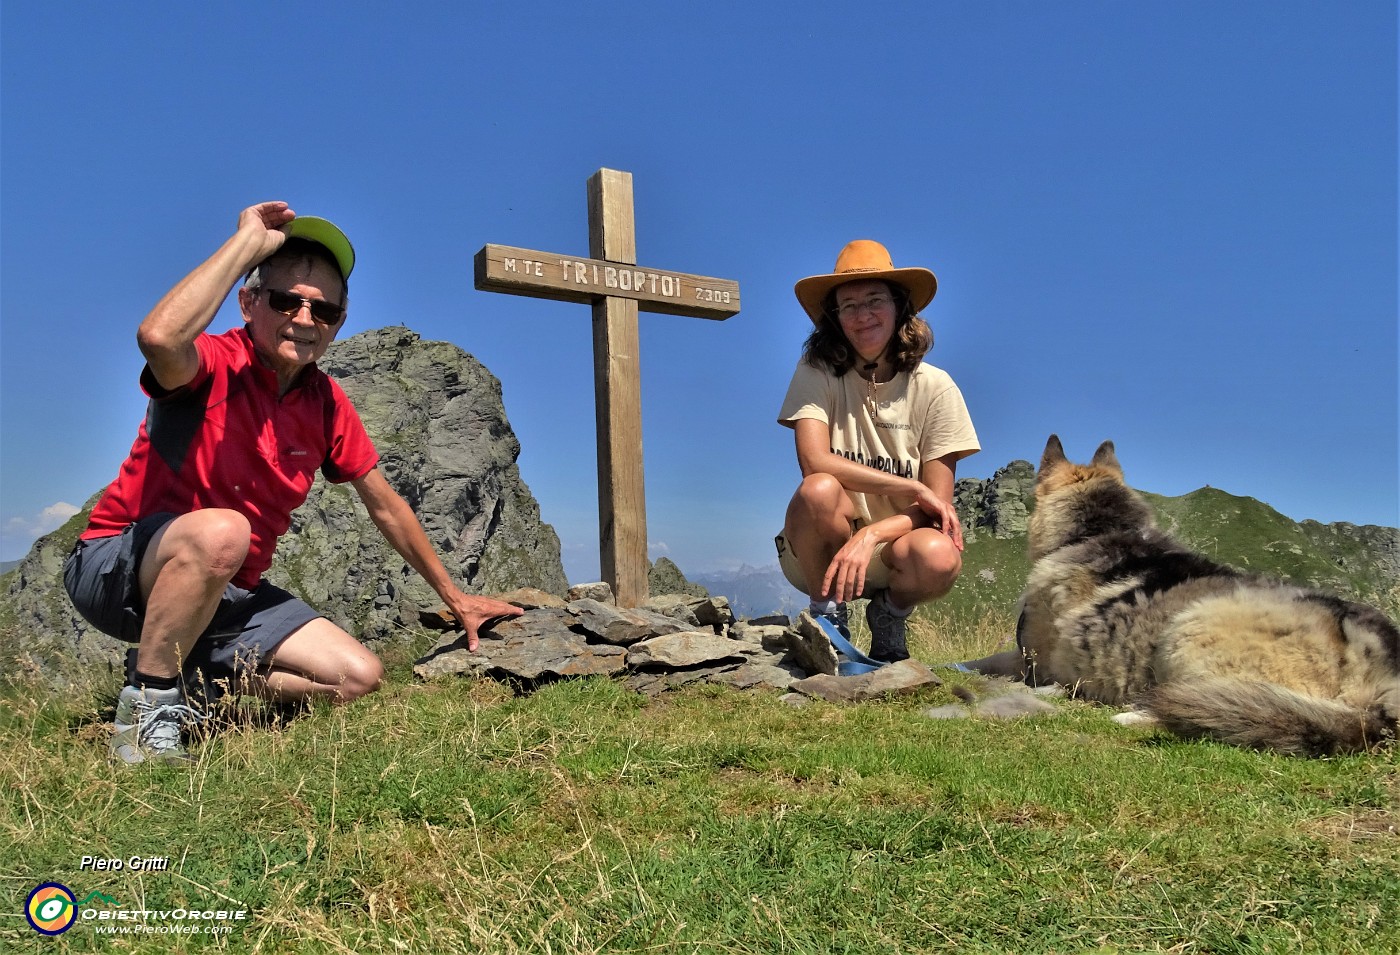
(289, 303)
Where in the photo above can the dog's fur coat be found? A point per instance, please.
(1120, 612)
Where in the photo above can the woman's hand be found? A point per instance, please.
(845, 575)
(943, 515)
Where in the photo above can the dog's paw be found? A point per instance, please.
(1135, 718)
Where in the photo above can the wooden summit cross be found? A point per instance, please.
(616, 287)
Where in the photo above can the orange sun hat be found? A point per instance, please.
(863, 260)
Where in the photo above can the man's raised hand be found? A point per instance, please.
(264, 222)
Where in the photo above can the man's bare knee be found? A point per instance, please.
(361, 677)
(320, 659)
(222, 541)
(213, 542)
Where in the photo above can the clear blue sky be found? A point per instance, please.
(1171, 224)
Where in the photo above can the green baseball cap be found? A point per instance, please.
(326, 233)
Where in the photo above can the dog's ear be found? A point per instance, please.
(1105, 458)
(1054, 454)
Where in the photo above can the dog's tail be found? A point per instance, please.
(1267, 716)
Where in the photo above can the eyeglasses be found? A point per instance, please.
(289, 303)
(872, 304)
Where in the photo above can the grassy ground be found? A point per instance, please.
(455, 817)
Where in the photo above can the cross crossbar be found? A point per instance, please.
(504, 268)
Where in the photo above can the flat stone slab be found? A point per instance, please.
(556, 655)
(450, 658)
(998, 698)
(683, 650)
(697, 611)
(951, 711)
(895, 679)
(769, 636)
(677, 606)
(537, 645)
(529, 598)
(714, 611)
(652, 682)
(618, 625)
(532, 623)
(755, 674)
(1013, 706)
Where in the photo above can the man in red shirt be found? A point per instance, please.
(238, 424)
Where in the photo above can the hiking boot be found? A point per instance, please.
(887, 640)
(148, 725)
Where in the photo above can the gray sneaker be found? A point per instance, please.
(148, 725)
(887, 640)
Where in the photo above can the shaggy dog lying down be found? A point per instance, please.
(1120, 612)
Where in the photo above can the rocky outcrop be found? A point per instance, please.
(40, 632)
(1359, 549)
(436, 416)
(665, 577)
(997, 506)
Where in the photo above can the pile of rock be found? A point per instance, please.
(670, 641)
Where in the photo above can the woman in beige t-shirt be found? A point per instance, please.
(879, 434)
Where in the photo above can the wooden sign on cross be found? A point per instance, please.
(617, 288)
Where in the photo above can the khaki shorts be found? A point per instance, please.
(877, 572)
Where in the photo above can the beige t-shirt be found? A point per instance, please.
(921, 416)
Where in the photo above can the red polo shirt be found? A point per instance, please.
(228, 440)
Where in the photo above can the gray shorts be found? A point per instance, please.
(100, 576)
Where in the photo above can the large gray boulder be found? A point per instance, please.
(436, 416)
